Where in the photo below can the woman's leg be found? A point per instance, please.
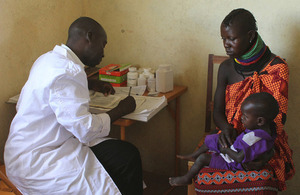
(201, 161)
(123, 163)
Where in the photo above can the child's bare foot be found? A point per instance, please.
(190, 157)
(179, 181)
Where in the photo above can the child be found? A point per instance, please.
(259, 111)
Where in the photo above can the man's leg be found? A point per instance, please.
(123, 163)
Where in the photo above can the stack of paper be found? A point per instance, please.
(146, 107)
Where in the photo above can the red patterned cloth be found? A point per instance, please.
(274, 80)
(216, 181)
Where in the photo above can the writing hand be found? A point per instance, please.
(124, 107)
(127, 105)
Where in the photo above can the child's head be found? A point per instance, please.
(259, 109)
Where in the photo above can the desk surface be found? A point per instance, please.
(177, 91)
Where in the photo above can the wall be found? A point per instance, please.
(149, 33)
(183, 33)
(28, 28)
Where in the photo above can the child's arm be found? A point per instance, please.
(236, 156)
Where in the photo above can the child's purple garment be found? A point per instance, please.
(253, 143)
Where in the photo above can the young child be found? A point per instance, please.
(259, 111)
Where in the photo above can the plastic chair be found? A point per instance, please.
(215, 181)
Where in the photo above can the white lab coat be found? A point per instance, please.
(47, 150)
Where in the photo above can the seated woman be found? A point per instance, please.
(252, 68)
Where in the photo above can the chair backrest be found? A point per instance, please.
(213, 61)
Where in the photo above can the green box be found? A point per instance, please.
(113, 79)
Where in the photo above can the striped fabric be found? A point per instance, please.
(216, 181)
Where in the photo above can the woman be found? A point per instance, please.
(251, 68)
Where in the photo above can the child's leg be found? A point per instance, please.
(193, 156)
(201, 161)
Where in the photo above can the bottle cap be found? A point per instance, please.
(132, 69)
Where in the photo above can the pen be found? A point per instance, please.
(129, 91)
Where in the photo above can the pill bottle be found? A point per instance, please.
(164, 78)
(151, 83)
(141, 80)
(132, 77)
(147, 72)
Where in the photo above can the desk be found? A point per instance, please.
(175, 112)
(92, 73)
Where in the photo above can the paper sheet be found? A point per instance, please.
(136, 90)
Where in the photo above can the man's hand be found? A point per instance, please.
(101, 86)
(260, 162)
(124, 107)
(227, 137)
(127, 105)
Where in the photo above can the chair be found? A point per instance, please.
(215, 181)
(6, 187)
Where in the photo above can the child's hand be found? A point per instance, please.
(223, 150)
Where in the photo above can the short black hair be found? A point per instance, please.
(81, 26)
(241, 16)
(266, 105)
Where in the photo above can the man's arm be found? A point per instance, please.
(236, 156)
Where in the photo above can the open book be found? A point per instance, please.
(108, 102)
(146, 107)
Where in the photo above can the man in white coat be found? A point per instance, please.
(55, 145)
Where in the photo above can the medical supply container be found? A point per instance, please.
(164, 78)
(132, 77)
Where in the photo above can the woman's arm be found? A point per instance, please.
(228, 134)
(260, 162)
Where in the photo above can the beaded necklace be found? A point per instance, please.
(254, 59)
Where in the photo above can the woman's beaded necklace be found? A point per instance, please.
(254, 59)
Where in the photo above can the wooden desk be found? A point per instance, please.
(92, 73)
(175, 112)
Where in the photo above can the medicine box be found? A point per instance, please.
(113, 79)
(114, 69)
(123, 84)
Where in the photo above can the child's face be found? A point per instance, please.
(249, 119)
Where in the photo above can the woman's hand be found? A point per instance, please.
(227, 137)
(260, 162)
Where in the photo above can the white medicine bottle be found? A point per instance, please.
(141, 80)
(147, 72)
(164, 78)
(132, 77)
(151, 83)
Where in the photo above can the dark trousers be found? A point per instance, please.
(123, 163)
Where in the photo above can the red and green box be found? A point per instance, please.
(116, 74)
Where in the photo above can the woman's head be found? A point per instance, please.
(238, 31)
(259, 109)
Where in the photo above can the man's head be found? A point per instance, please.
(259, 109)
(238, 30)
(87, 39)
